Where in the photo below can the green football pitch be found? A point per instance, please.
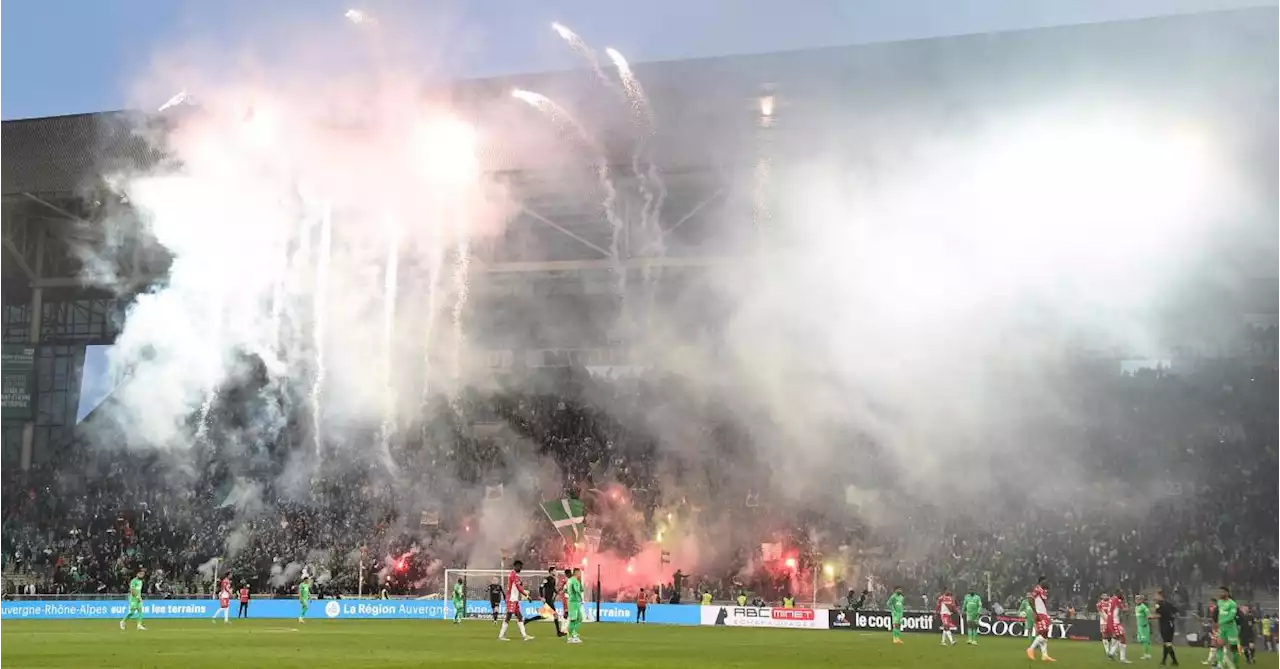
(189, 644)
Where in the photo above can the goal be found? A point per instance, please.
(475, 584)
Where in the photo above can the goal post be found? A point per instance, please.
(475, 585)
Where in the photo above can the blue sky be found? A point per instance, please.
(73, 56)
(96, 380)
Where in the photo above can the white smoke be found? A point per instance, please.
(208, 568)
(286, 575)
(909, 320)
(237, 540)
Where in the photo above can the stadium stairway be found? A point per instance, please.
(1266, 601)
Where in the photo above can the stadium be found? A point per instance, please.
(755, 341)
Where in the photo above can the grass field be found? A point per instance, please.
(189, 644)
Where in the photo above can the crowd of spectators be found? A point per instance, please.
(1191, 502)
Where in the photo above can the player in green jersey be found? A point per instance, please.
(459, 602)
(1028, 616)
(894, 605)
(1142, 613)
(304, 598)
(135, 600)
(1228, 631)
(972, 609)
(574, 589)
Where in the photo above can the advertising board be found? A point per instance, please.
(338, 609)
(988, 625)
(764, 616)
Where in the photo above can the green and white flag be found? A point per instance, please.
(569, 517)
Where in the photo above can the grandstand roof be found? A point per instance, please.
(56, 154)
(1218, 68)
(706, 107)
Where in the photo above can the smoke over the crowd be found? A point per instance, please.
(904, 317)
(931, 302)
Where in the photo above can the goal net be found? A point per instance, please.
(475, 587)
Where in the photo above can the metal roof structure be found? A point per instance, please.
(59, 154)
(708, 129)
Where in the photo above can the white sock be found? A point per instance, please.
(1044, 646)
(503, 632)
(520, 624)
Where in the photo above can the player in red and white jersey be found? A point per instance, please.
(224, 606)
(1115, 625)
(515, 593)
(1040, 605)
(1215, 633)
(1104, 621)
(945, 609)
(225, 584)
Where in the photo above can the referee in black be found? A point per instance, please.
(1167, 614)
(495, 597)
(549, 597)
(1248, 632)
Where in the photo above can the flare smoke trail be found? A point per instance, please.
(588, 54)
(566, 123)
(650, 178)
(281, 258)
(632, 93)
(206, 407)
(174, 101)
(267, 214)
(454, 211)
(434, 270)
(389, 290)
(461, 287)
(320, 306)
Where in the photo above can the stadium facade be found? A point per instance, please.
(711, 137)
